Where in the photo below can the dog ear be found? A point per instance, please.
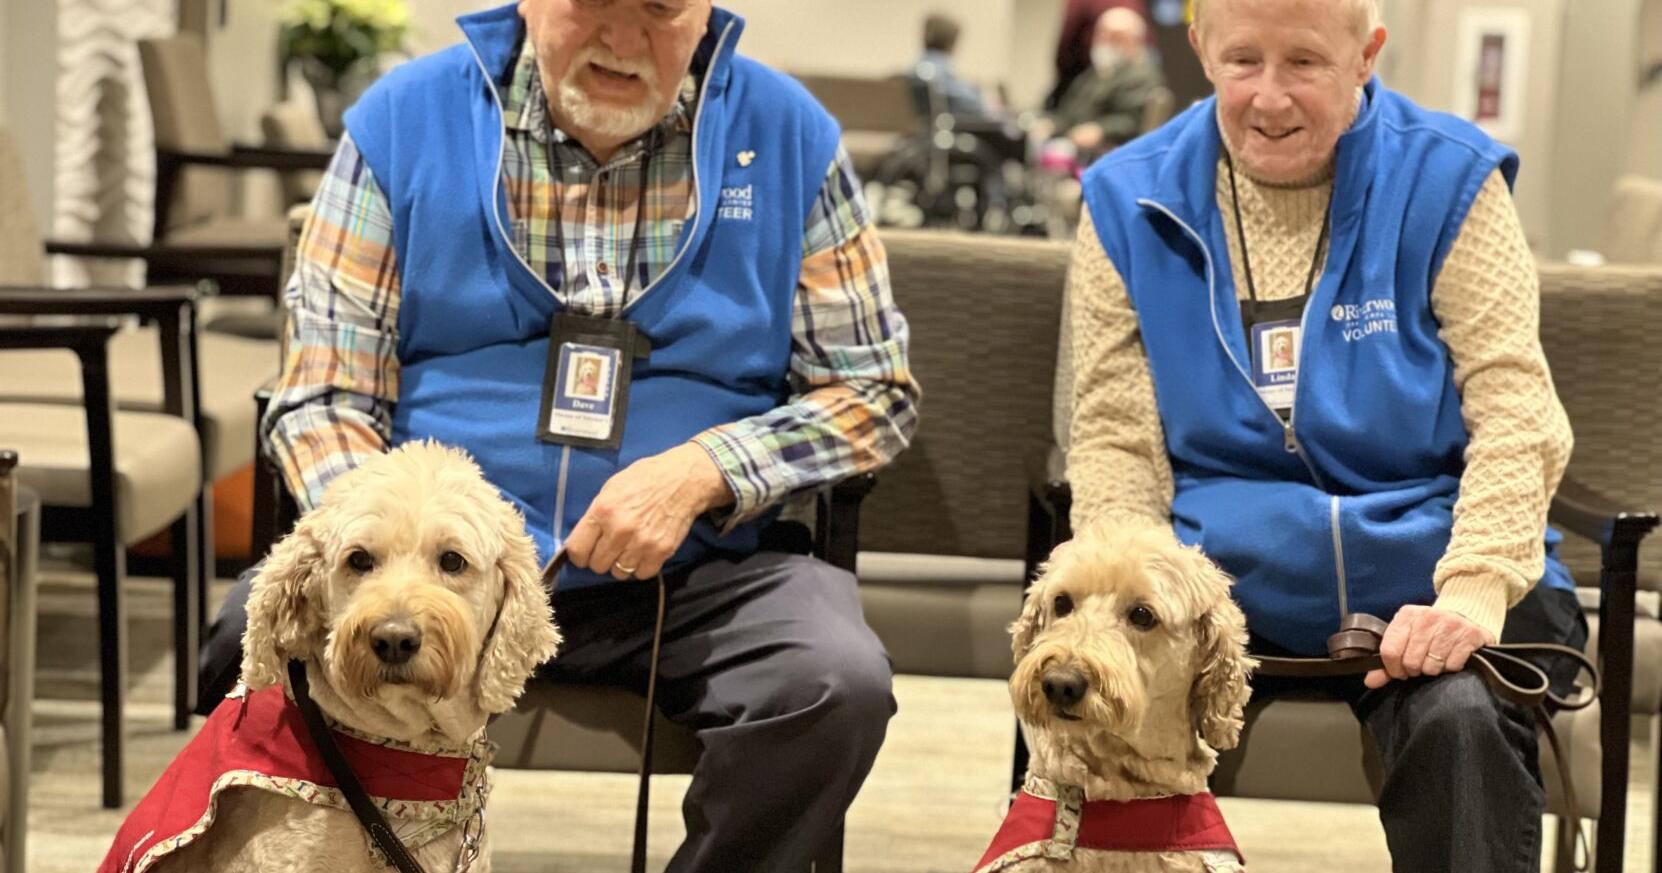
(1219, 694)
(285, 619)
(525, 635)
(1031, 621)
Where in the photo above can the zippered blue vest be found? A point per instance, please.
(1348, 507)
(474, 320)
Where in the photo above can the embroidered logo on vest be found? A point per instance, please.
(1358, 321)
(737, 204)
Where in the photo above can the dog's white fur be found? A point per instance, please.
(1160, 700)
(484, 630)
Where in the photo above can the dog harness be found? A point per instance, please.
(1049, 820)
(259, 742)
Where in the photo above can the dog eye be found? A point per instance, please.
(1063, 605)
(450, 562)
(360, 561)
(1142, 617)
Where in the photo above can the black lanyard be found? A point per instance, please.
(558, 187)
(1246, 259)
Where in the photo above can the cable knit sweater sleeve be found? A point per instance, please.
(1487, 299)
(1117, 459)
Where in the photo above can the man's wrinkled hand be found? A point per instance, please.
(644, 511)
(1426, 641)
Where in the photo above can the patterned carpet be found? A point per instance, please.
(930, 806)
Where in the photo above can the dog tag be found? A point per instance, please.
(585, 386)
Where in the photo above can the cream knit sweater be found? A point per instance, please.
(1486, 300)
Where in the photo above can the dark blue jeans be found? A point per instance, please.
(1462, 788)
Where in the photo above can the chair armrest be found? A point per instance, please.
(244, 157)
(837, 519)
(78, 335)
(161, 255)
(1585, 512)
(1047, 479)
(280, 157)
(151, 303)
(171, 308)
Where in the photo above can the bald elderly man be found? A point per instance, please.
(1103, 108)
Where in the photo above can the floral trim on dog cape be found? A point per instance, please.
(259, 742)
(1048, 820)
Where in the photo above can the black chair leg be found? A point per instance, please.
(112, 663)
(1018, 766)
(187, 619)
(830, 858)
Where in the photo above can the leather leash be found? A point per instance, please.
(369, 816)
(1354, 650)
(637, 858)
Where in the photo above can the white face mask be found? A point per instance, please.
(1106, 58)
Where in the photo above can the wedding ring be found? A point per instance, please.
(630, 571)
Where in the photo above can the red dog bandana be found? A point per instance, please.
(1053, 827)
(260, 742)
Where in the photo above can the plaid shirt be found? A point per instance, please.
(853, 405)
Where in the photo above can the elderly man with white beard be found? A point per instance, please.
(607, 184)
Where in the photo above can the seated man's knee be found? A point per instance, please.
(1458, 712)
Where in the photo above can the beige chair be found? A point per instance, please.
(944, 539)
(111, 477)
(19, 549)
(876, 115)
(232, 368)
(293, 124)
(1634, 233)
(196, 235)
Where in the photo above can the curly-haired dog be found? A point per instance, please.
(1130, 670)
(413, 596)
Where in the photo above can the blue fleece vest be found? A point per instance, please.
(474, 320)
(1349, 507)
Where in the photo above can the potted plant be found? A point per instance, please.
(338, 45)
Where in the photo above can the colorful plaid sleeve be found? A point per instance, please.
(854, 403)
(333, 403)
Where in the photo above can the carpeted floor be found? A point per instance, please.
(930, 806)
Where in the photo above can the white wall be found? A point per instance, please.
(28, 65)
(1595, 106)
(1009, 41)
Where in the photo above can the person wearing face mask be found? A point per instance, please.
(608, 189)
(1103, 108)
(1403, 466)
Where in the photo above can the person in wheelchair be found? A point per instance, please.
(1105, 106)
(1402, 465)
(516, 218)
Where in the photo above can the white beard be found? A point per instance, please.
(624, 123)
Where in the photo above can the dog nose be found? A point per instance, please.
(1063, 686)
(395, 641)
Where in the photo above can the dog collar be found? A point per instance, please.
(1049, 820)
(260, 742)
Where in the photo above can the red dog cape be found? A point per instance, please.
(1048, 820)
(259, 742)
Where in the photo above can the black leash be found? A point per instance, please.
(368, 815)
(637, 858)
(637, 863)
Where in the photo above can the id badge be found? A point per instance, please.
(585, 390)
(1275, 348)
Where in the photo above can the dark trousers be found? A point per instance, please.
(1462, 785)
(768, 658)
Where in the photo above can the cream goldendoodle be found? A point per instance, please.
(413, 596)
(1130, 671)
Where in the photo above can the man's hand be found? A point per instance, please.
(1426, 641)
(644, 511)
